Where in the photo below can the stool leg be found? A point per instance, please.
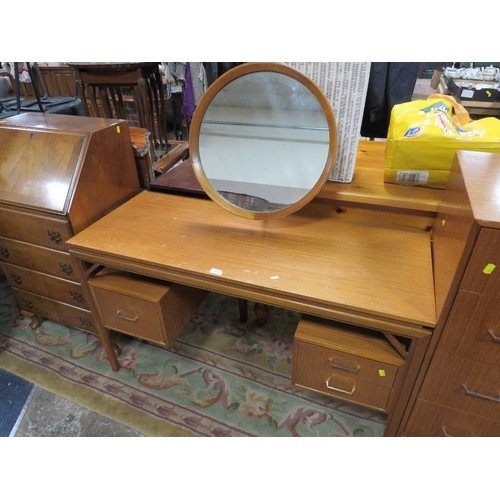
(261, 313)
(243, 306)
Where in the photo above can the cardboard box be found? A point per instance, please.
(473, 90)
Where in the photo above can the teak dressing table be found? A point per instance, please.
(356, 261)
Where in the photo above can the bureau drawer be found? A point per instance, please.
(473, 330)
(44, 284)
(37, 258)
(54, 310)
(432, 420)
(483, 270)
(43, 230)
(145, 308)
(349, 363)
(464, 384)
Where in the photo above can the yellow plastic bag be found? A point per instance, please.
(424, 135)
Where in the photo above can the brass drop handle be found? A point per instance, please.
(479, 395)
(84, 322)
(77, 297)
(120, 315)
(54, 236)
(493, 336)
(343, 391)
(66, 268)
(16, 278)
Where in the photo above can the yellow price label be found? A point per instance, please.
(489, 269)
(381, 373)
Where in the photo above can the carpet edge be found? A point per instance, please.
(99, 403)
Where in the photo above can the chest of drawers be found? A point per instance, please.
(59, 174)
(460, 392)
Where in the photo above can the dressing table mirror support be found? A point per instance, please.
(263, 140)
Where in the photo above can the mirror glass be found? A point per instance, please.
(263, 140)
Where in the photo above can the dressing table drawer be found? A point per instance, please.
(349, 363)
(145, 308)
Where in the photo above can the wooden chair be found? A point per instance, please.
(42, 103)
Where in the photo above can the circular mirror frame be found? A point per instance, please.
(197, 121)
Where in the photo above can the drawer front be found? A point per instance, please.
(473, 330)
(432, 420)
(46, 285)
(483, 270)
(464, 384)
(56, 311)
(343, 376)
(130, 315)
(37, 258)
(33, 228)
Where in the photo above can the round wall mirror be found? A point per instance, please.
(263, 140)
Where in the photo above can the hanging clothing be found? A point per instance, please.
(216, 69)
(390, 83)
(188, 100)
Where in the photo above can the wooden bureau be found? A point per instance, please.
(458, 390)
(59, 174)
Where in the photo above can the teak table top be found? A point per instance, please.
(355, 264)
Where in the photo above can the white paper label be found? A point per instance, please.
(412, 177)
(469, 94)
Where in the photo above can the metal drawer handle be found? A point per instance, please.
(340, 390)
(120, 315)
(54, 236)
(66, 268)
(345, 368)
(77, 297)
(479, 395)
(16, 278)
(4, 252)
(493, 336)
(85, 323)
(459, 433)
(445, 434)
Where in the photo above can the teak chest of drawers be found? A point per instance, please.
(59, 175)
(458, 392)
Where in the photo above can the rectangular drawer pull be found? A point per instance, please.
(353, 369)
(340, 390)
(479, 395)
(493, 336)
(120, 315)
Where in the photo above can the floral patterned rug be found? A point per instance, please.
(221, 377)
